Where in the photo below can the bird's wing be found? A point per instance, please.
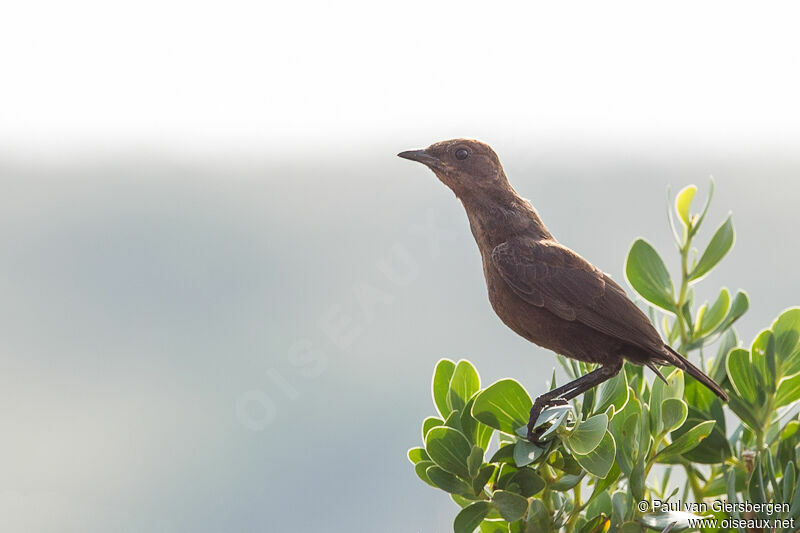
(550, 275)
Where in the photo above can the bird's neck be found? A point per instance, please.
(496, 218)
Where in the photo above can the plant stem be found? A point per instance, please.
(576, 509)
(653, 452)
(691, 478)
(684, 289)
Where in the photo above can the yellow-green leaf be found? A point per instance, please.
(449, 449)
(598, 462)
(504, 405)
(463, 384)
(648, 276)
(441, 385)
(683, 201)
(471, 517)
(740, 373)
(686, 442)
(720, 244)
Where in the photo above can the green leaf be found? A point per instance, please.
(504, 406)
(714, 314)
(701, 313)
(454, 420)
(504, 454)
(619, 506)
(788, 480)
(530, 483)
(474, 461)
(698, 394)
(756, 485)
(772, 366)
(471, 517)
(790, 429)
(463, 384)
(744, 411)
(599, 524)
(698, 220)
(740, 374)
(794, 509)
(441, 385)
(713, 448)
(504, 476)
(613, 392)
(718, 486)
(449, 449)
(673, 331)
(648, 276)
(682, 203)
(637, 483)
(769, 466)
(430, 423)
(599, 503)
(568, 464)
(673, 413)
(511, 506)
(448, 482)
(602, 486)
(492, 526)
(587, 403)
(762, 354)
(661, 391)
(787, 335)
(484, 475)
(625, 436)
(526, 452)
(645, 430)
(588, 434)
(556, 416)
(788, 391)
(686, 442)
(720, 244)
(675, 385)
(625, 427)
(475, 432)
(538, 518)
(732, 489)
(461, 500)
(415, 455)
(421, 470)
(598, 462)
(727, 342)
(566, 482)
(630, 527)
(738, 307)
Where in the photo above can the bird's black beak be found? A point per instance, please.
(421, 156)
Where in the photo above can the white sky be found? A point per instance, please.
(278, 74)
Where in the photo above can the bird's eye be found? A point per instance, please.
(462, 154)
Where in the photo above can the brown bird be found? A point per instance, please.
(541, 289)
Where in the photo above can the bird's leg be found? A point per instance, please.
(560, 395)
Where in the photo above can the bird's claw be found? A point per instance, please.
(535, 433)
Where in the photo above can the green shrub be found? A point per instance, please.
(597, 464)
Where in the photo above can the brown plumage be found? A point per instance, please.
(541, 289)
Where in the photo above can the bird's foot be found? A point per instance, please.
(535, 433)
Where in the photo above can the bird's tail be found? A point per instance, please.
(679, 361)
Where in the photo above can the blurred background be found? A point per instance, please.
(222, 295)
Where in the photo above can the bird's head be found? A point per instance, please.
(466, 166)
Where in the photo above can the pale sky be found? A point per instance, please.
(278, 75)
